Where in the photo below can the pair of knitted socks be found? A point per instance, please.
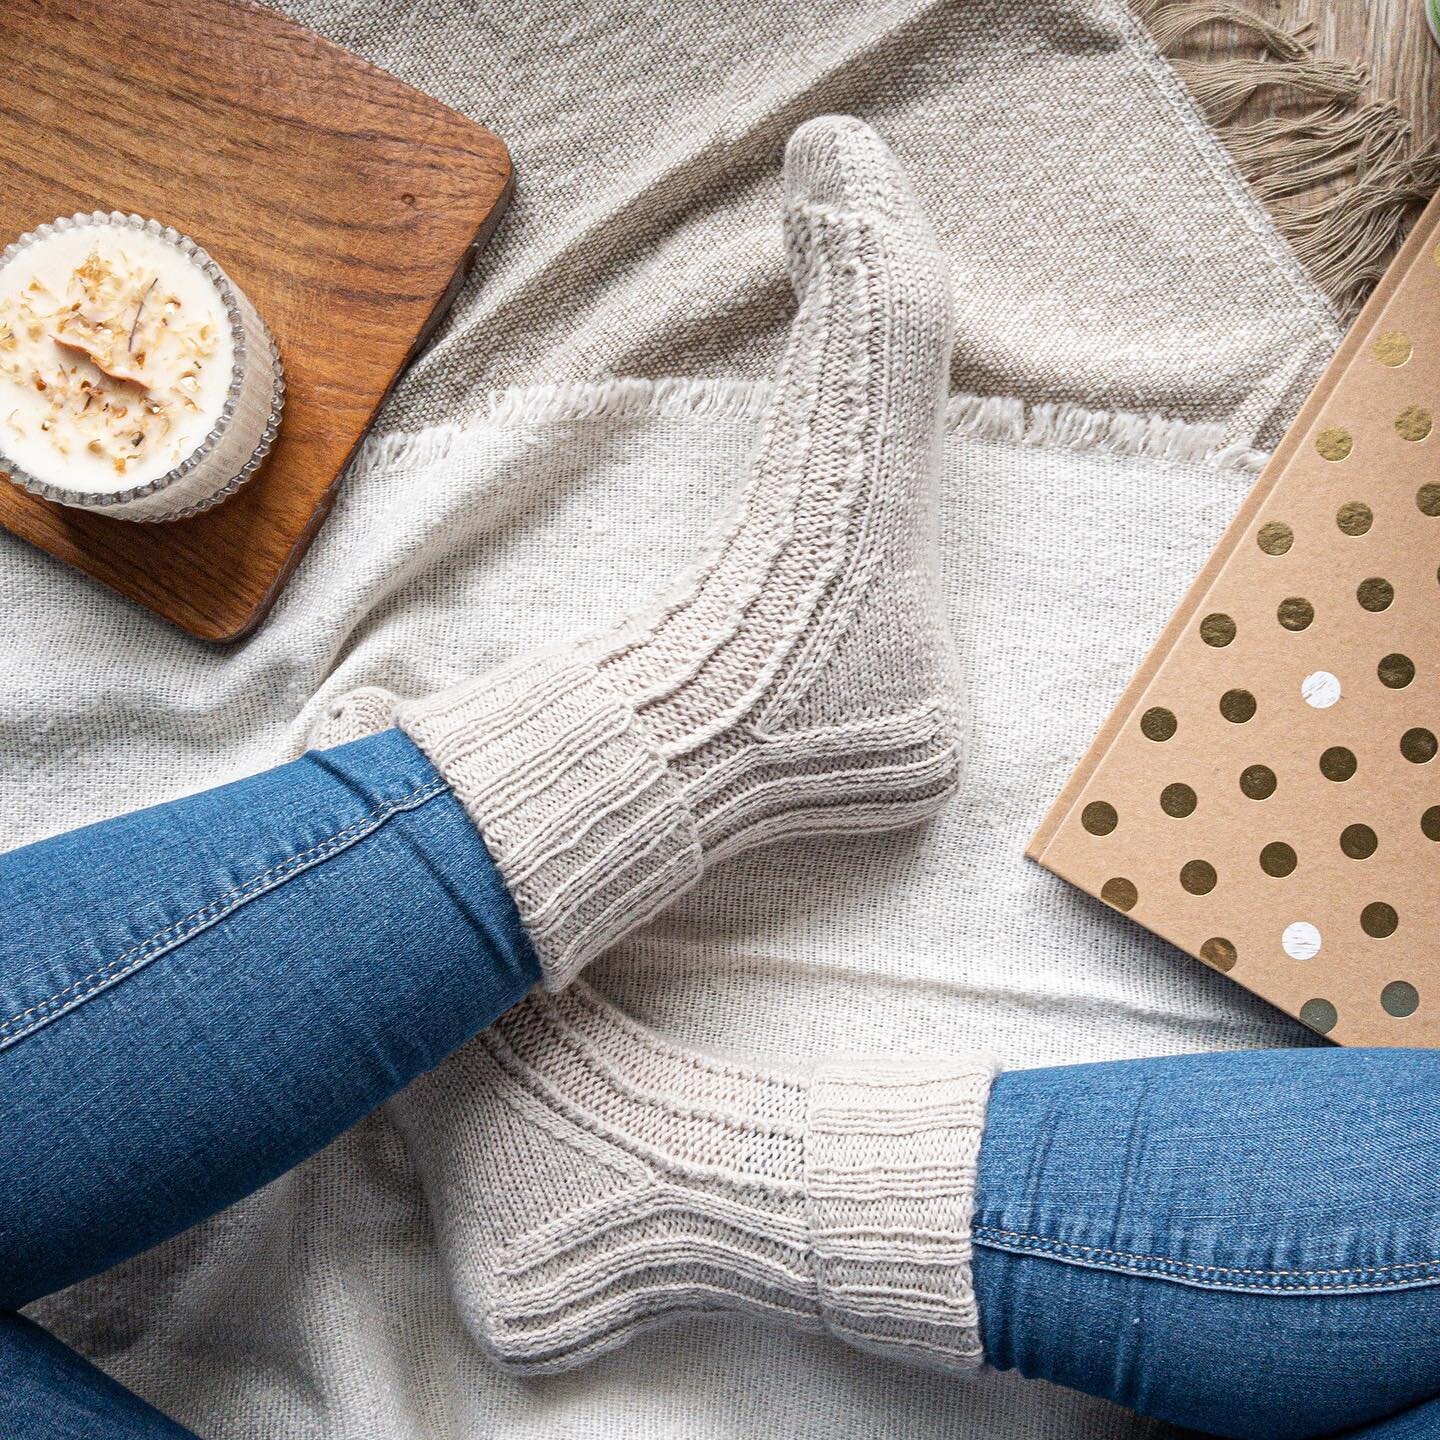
(798, 680)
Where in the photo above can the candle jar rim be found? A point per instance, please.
(229, 298)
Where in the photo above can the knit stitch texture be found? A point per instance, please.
(798, 679)
(836, 1200)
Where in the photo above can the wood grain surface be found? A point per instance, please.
(343, 202)
(1389, 37)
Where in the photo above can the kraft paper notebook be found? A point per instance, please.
(1266, 795)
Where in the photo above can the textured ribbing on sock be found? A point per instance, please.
(586, 822)
(798, 678)
(892, 1150)
(840, 1202)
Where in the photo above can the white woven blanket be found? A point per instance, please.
(1107, 261)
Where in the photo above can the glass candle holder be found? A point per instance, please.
(136, 378)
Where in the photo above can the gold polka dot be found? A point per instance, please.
(1430, 823)
(1354, 517)
(1338, 763)
(1393, 348)
(1120, 893)
(1237, 706)
(1319, 1015)
(1427, 498)
(1274, 538)
(1378, 919)
(1375, 594)
(1217, 630)
(1334, 442)
(1218, 953)
(1158, 724)
(1359, 842)
(1277, 859)
(1400, 998)
(1395, 671)
(1295, 612)
(1178, 800)
(1257, 782)
(1198, 877)
(1418, 746)
(1413, 422)
(1099, 817)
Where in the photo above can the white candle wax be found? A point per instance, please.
(134, 377)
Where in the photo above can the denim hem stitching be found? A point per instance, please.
(181, 930)
(1361, 1277)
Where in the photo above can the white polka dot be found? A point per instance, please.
(1321, 689)
(1301, 940)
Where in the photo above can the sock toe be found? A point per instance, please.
(839, 163)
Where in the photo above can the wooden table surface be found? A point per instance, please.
(1389, 37)
(345, 204)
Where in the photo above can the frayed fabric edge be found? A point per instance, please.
(1343, 179)
(619, 399)
(988, 417)
(625, 399)
(1117, 432)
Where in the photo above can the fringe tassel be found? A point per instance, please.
(1343, 180)
(1171, 22)
(987, 417)
(1117, 432)
(1347, 239)
(1222, 88)
(1288, 154)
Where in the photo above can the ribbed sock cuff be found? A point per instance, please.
(891, 1155)
(587, 823)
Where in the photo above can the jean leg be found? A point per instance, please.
(47, 1392)
(1421, 1423)
(201, 995)
(1245, 1244)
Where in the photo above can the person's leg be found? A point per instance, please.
(1421, 1423)
(196, 997)
(47, 1392)
(1244, 1244)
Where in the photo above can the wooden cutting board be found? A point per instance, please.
(344, 203)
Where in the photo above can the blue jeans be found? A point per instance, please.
(1244, 1244)
(195, 998)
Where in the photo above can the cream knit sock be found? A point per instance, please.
(621, 1181)
(798, 680)
(588, 1180)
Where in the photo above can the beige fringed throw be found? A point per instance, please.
(1343, 178)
